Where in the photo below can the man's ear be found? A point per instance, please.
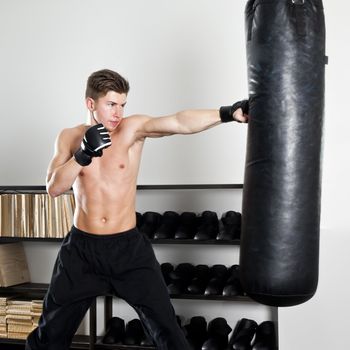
(90, 103)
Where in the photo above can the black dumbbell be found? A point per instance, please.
(115, 331)
(243, 334)
(133, 332)
(265, 337)
(233, 285)
(150, 223)
(169, 224)
(196, 332)
(208, 226)
(229, 226)
(188, 226)
(218, 331)
(200, 280)
(218, 277)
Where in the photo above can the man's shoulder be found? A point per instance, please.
(73, 131)
(70, 136)
(134, 122)
(132, 125)
(137, 118)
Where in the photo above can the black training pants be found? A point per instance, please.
(90, 265)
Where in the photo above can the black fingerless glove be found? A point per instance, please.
(95, 140)
(226, 112)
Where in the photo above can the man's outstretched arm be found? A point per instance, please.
(193, 121)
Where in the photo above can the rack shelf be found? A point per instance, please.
(24, 288)
(79, 342)
(7, 239)
(36, 189)
(24, 189)
(41, 288)
(92, 341)
(193, 241)
(100, 345)
(38, 290)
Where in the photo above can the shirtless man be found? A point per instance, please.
(104, 253)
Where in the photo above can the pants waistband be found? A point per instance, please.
(118, 235)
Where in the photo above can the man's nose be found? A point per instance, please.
(118, 111)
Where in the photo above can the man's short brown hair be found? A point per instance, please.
(102, 81)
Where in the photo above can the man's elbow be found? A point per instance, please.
(53, 189)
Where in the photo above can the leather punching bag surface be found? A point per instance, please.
(281, 196)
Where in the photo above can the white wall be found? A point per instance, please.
(176, 55)
(322, 323)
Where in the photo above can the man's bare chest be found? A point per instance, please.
(116, 157)
(114, 161)
(118, 163)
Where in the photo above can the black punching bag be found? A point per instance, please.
(281, 196)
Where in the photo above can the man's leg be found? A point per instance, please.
(143, 287)
(72, 289)
(57, 324)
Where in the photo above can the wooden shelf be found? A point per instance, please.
(25, 288)
(196, 242)
(41, 288)
(79, 342)
(6, 239)
(100, 345)
(211, 297)
(42, 189)
(82, 342)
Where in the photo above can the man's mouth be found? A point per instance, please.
(114, 123)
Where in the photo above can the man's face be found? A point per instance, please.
(109, 109)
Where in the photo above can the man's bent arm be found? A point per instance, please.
(63, 169)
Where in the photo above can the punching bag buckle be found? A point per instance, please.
(299, 13)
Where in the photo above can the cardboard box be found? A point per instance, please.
(13, 265)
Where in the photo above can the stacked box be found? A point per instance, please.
(19, 319)
(13, 265)
(3, 325)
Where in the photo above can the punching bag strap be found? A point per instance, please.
(300, 15)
